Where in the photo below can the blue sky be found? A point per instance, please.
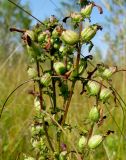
(44, 8)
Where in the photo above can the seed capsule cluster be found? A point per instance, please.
(56, 65)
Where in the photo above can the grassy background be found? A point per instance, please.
(17, 115)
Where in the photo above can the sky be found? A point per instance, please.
(44, 8)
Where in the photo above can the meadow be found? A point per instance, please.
(19, 110)
(52, 99)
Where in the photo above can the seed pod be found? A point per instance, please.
(41, 37)
(93, 88)
(86, 12)
(82, 142)
(59, 68)
(45, 79)
(105, 94)
(76, 17)
(108, 72)
(94, 114)
(95, 141)
(88, 33)
(62, 155)
(70, 37)
(32, 72)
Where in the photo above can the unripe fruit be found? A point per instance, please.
(32, 72)
(94, 114)
(93, 88)
(45, 79)
(70, 37)
(95, 141)
(55, 34)
(59, 68)
(86, 12)
(62, 155)
(82, 142)
(108, 72)
(88, 33)
(76, 17)
(105, 94)
(41, 37)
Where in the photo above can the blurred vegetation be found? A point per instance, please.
(14, 134)
(11, 16)
(115, 36)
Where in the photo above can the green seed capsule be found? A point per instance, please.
(32, 72)
(55, 33)
(108, 72)
(76, 17)
(94, 114)
(93, 88)
(105, 94)
(88, 33)
(62, 155)
(86, 12)
(59, 68)
(45, 79)
(70, 37)
(82, 142)
(41, 37)
(95, 141)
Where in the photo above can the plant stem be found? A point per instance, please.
(47, 136)
(40, 89)
(53, 86)
(41, 106)
(68, 103)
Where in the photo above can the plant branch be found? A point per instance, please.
(41, 106)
